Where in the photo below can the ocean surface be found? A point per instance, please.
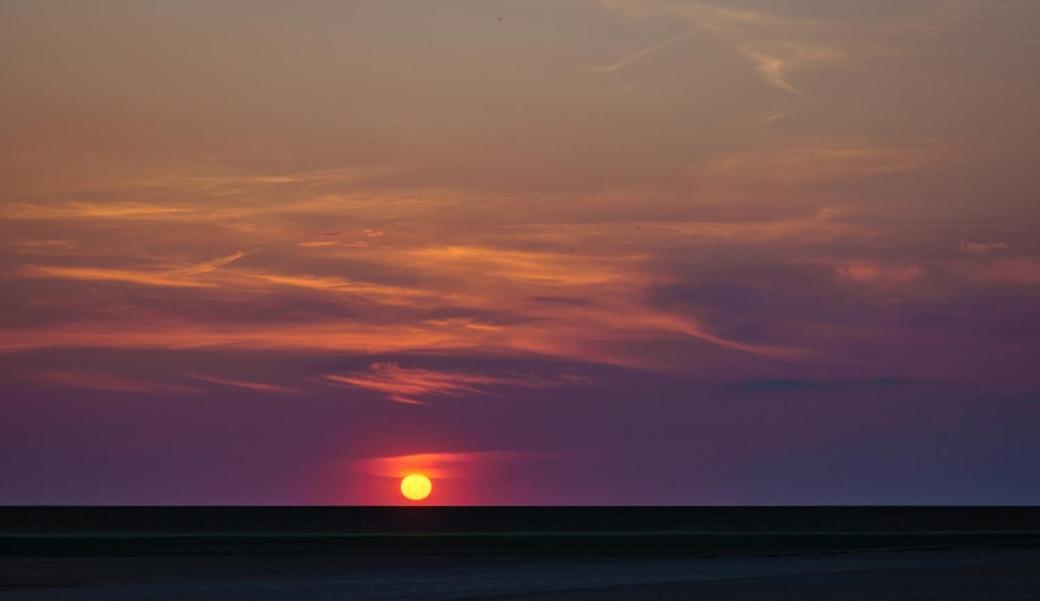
(453, 553)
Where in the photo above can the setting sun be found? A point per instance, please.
(416, 487)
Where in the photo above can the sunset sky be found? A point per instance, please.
(546, 252)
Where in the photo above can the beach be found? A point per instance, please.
(376, 554)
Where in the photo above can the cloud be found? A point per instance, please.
(803, 385)
(638, 55)
(130, 276)
(478, 299)
(821, 160)
(981, 248)
(211, 265)
(779, 46)
(385, 294)
(774, 69)
(177, 277)
(327, 336)
(407, 385)
(89, 380)
(44, 247)
(244, 384)
(536, 268)
(873, 272)
(204, 275)
(230, 184)
(106, 210)
(1016, 270)
(443, 464)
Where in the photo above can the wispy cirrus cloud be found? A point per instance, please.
(1009, 270)
(443, 464)
(327, 336)
(92, 380)
(203, 275)
(875, 272)
(540, 268)
(780, 46)
(98, 210)
(823, 160)
(225, 183)
(31, 246)
(638, 55)
(409, 385)
(244, 384)
(463, 297)
(981, 248)
(176, 277)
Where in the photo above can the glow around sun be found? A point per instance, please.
(416, 487)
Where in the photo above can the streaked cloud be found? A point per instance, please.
(638, 55)
(227, 183)
(780, 46)
(444, 464)
(244, 384)
(1009, 270)
(981, 248)
(805, 162)
(28, 246)
(177, 277)
(91, 380)
(82, 210)
(409, 385)
(873, 272)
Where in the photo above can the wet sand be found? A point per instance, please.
(990, 574)
(522, 554)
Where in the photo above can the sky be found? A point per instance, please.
(580, 252)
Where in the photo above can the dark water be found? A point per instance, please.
(519, 553)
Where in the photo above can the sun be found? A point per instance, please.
(416, 487)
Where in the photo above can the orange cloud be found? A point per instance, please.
(178, 277)
(107, 210)
(228, 184)
(130, 276)
(489, 288)
(406, 385)
(394, 295)
(182, 334)
(547, 268)
(441, 465)
(44, 247)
